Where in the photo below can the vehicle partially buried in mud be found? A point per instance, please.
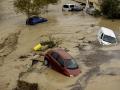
(61, 61)
(90, 10)
(35, 20)
(106, 36)
(72, 7)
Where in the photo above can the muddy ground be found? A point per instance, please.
(100, 65)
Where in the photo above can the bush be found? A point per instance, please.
(32, 7)
(51, 42)
(111, 8)
(97, 13)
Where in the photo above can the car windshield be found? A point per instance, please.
(36, 19)
(65, 6)
(71, 64)
(109, 39)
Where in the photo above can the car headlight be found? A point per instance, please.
(71, 76)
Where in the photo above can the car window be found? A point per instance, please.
(72, 6)
(36, 19)
(66, 6)
(101, 36)
(109, 39)
(58, 58)
(71, 64)
(60, 61)
(54, 55)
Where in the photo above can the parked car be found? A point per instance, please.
(82, 5)
(35, 20)
(61, 61)
(106, 36)
(71, 7)
(90, 10)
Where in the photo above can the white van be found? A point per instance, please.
(71, 7)
(106, 36)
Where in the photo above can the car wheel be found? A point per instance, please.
(46, 62)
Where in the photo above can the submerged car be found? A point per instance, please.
(90, 10)
(35, 20)
(71, 7)
(61, 61)
(106, 36)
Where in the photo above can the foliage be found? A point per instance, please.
(97, 13)
(31, 7)
(51, 42)
(111, 8)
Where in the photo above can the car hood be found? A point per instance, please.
(73, 72)
(105, 43)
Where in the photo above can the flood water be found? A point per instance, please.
(67, 26)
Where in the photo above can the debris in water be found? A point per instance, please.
(22, 85)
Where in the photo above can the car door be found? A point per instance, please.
(54, 62)
(60, 61)
(36, 20)
(72, 7)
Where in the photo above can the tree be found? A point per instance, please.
(111, 8)
(31, 7)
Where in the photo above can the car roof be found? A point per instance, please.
(69, 4)
(62, 53)
(107, 31)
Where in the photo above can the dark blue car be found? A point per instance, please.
(35, 20)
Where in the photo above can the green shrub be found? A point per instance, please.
(97, 13)
(111, 8)
(32, 7)
(51, 42)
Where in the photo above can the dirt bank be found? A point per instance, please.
(8, 45)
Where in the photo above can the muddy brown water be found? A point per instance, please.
(70, 27)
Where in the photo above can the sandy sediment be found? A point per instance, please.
(8, 45)
(99, 64)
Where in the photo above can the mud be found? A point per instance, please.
(102, 63)
(88, 45)
(83, 80)
(97, 58)
(77, 31)
(8, 45)
(22, 85)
